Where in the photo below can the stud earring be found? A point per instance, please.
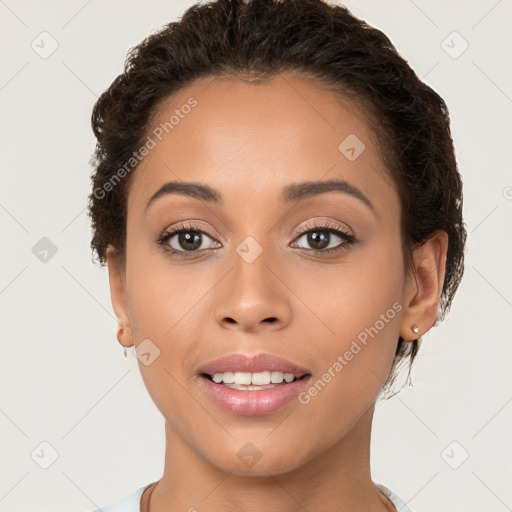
(415, 329)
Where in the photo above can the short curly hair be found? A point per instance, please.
(259, 39)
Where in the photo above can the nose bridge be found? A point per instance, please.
(251, 260)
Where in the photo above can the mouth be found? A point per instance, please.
(253, 386)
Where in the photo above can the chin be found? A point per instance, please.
(248, 460)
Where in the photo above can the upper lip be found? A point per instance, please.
(252, 364)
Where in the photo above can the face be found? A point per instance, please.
(252, 266)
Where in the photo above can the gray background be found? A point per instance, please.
(64, 380)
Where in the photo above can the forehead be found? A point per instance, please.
(246, 138)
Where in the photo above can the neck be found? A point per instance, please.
(336, 480)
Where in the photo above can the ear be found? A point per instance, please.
(116, 277)
(424, 285)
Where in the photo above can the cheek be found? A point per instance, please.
(366, 289)
(359, 305)
(161, 297)
(161, 311)
(166, 306)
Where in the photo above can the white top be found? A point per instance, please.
(131, 503)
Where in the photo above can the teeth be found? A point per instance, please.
(217, 377)
(228, 377)
(242, 378)
(276, 377)
(257, 379)
(261, 378)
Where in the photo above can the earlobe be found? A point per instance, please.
(118, 298)
(424, 285)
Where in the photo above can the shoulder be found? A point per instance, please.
(130, 503)
(399, 503)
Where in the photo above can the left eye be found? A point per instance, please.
(322, 239)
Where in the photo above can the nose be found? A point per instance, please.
(253, 296)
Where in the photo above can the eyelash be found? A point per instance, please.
(348, 238)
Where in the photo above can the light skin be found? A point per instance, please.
(248, 142)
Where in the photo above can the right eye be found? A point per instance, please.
(185, 238)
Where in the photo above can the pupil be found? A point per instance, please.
(318, 239)
(190, 240)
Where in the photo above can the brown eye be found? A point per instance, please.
(324, 239)
(318, 239)
(186, 238)
(186, 241)
(189, 240)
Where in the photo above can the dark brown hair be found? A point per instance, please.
(258, 39)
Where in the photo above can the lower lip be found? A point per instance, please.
(254, 403)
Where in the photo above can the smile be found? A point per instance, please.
(272, 383)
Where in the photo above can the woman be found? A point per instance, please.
(277, 200)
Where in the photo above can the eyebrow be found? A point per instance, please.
(290, 193)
